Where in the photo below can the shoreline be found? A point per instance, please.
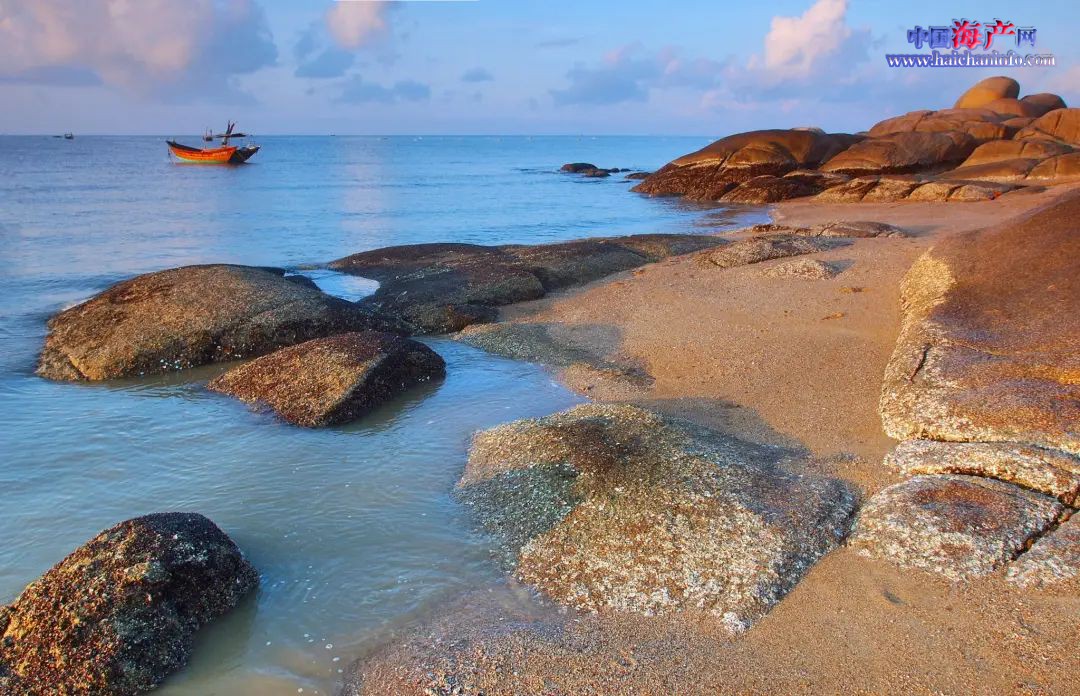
(777, 361)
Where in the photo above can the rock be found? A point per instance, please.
(548, 344)
(870, 188)
(1052, 561)
(1057, 169)
(986, 91)
(1062, 125)
(1003, 150)
(981, 124)
(999, 171)
(1043, 102)
(765, 247)
(987, 350)
(1015, 125)
(184, 317)
(807, 269)
(1014, 107)
(332, 380)
(636, 176)
(768, 189)
(712, 171)
(1047, 471)
(595, 173)
(611, 507)
(118, 615)
(858, 229)
(577, 167)
(901, 153)
(982, 191)
(959, 527)
(438, 288)
(819, 180)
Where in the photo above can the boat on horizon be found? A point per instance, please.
(226, 154)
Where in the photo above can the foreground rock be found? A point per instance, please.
(989, 347)
(610, 507)
(805, 269)
(766, 247)
(959, 527)
(1047, 471)
(118, 615)
(1053, 561)
(332, 380)
(439, 288)
(857, 229)
(195, 315)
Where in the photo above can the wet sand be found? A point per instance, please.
(774, 360)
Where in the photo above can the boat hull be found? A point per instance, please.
(218, 155)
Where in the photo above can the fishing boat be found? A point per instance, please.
(226, 154)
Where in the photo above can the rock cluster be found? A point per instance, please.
(118, 615)
(988, 144)
(332, 380)
(439, 288)
(589, 170)
(982, 391)
(195, 315)
(612, 507)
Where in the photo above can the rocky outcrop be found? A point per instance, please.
(766, 247)
(986, 91)
(999, 150)
(982, 389)
(959, 527)
(1060, 125)
(118, 615)
(806, 269)
(902, 153)
(1044, 102)
(769, 189)
(711, 172)
(332, 380)
(860, 229)
(884, 189)
(981, 125)
(988, 346)
(184, 317)
(1060, 168)
(439, 288)
(611, 507)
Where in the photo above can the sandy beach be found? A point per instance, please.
(782, 361)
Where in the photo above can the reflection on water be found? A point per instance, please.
(353, 528)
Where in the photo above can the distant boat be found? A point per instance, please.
(226, 154)
(69, 136)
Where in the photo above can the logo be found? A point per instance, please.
(970, 44)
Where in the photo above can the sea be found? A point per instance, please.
(354, 529)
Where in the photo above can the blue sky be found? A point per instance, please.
(489, 66)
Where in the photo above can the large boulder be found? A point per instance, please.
(184, 317)
(611, 507)
(986, 91)
(1062, 125)
(717, 168)
(439, 288)
(900, 153)
(1043, 102)
(768, 246)
(769, 189)
(119, 614)
(332, 380)
(1058, 169)
(983, 125)
(999, 150)
(988, 348)
(959, 527)
(1014, 107)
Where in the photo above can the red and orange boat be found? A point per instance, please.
(226, 154)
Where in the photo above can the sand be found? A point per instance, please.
(775, 360)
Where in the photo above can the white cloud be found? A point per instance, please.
(354, 22)
(800, 46)
(137, 44)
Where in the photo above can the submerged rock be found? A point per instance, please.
(194, 315)
(988, 347)
(959, 527)
(611, 507)
(768, 246)
(332, 380)
(118, 615)
(438, 288)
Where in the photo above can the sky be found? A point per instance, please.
(491, 66)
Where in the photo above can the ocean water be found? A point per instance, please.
(353, 529)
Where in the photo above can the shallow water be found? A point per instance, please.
(353, 528)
